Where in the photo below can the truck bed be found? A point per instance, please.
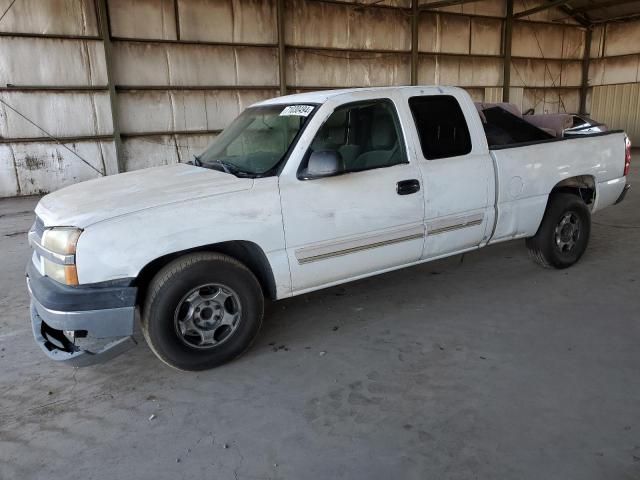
(527, 172)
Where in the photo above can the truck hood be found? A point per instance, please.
(90, 202)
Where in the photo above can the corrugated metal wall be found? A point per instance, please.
(615, 76)
(184, 68)
(619, 107)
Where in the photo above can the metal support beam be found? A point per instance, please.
(506, 52)
(415, 13)
(623, 18)
(282, 51)
(103, 27)
(594, 6)
(540, 8)
(445, 3)
(584, 86)
(176, 14)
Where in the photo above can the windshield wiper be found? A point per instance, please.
(225, 166)
(196, 161)
(231, 169)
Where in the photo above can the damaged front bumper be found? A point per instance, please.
(81, 325)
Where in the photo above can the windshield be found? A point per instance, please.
(256, 141)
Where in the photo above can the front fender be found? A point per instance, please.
(120, 247)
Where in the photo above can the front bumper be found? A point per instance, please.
(81, 325)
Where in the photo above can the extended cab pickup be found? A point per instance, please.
(300, 193)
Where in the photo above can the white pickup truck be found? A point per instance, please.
(300, 193)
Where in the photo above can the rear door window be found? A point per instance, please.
(441, 126)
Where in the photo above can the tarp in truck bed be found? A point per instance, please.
(504, 128)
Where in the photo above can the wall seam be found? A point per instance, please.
(15, 170)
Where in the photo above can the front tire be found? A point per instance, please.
(563, 235)
(202, 310)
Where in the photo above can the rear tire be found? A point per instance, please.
(202, 310)
(563, 235)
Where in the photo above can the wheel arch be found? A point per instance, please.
(584, 186)
(246, 252)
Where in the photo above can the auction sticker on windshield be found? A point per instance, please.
(297, 110)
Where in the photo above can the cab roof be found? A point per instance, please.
(322, 96)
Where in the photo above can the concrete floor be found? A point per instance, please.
(488, 367)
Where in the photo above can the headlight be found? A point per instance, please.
(61, 241)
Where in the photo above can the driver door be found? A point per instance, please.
(362, 221)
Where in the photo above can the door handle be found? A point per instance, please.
(407, 187)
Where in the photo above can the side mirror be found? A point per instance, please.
(323, 163)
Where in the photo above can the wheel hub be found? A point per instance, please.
(207, 315)
(567, 232)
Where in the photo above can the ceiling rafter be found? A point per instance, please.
(604, 4)
(445, 3)
(540, 8)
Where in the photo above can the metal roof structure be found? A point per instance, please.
(592, 12)
(585, 12)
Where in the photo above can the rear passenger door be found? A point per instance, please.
(457, 173)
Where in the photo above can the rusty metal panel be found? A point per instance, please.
(481, 71)
(145, 111)
(615, 70)
(53, 17)
(427, 70)
(156, 150)
(541, 73)
(142, 19)
(486, 36)
(189, 111)
(492, 95)
(59, 114)
(458, 34)
(461, 71)
(468, 71)
(429, 32)
(9, 186)
(551, 100)
(346, 27)
(622, 38)
(167, 111)
(536, 40)
(449, 70)
(387, 3)
(569, 100)
(57, 62)
(329, 69)
(443, 33)
(619, 107)
(454, 34)
(190, 145)
(597, 42)
(573, 43)
(571, 74)
(493, 8)
(44, 167)
(596, 72)
(241, 21)
(476, 94)
(553, 14)
(142, 64)
(152, 151)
